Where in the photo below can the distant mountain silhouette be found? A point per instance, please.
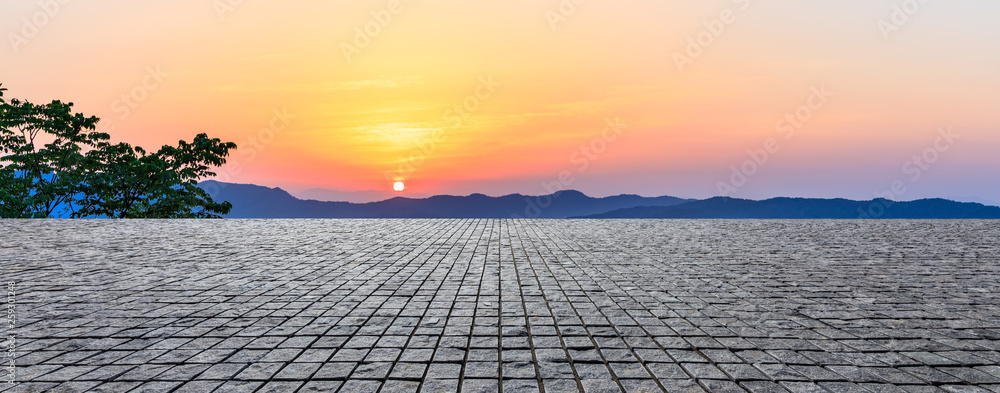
(723, 207)
(973, 199)
(325, 195)
(252, 201)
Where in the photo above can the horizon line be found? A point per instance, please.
(951, 199)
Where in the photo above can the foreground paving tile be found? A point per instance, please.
(504, 305)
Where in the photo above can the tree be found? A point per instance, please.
(42, 178)
(136, 184)
(80, 173)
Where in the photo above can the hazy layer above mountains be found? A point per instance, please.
(252, 201)
(325, 195)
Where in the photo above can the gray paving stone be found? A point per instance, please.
(704, 371)
(320, 386)
(803, 387)
(971, 375)
(400, 386)
(763, 387)
(361, 386)
(440, 385)
(238, 386)
(444, 371)
(222, 371)
(143, 372)
(185, 372)
(198, 386)
(743, 372)
(922, 389)
(298, 371)
(109, 387)
(156, 387)
(105, 373)
(600, 386)
(74, 387)
(511, 305)
(280, 387)
(379, 370)
(721, 386)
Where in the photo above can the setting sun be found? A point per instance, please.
(399, 186)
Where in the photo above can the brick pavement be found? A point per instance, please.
(504, 305)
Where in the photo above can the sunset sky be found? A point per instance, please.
(498, 97)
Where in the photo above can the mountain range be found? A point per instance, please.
(253, 201)
(798, 208)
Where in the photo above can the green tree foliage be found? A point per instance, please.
(54, 161)
(137, 184)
